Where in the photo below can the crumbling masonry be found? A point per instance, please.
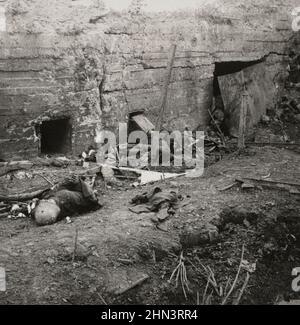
(72, 68)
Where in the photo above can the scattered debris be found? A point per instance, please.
(136, 283)
(218, 129)
(179, 274)
(205, 234)
(237, 215)
(68, 220)
(89, 155)
(249, 267)
(125, 261)
(149, 176)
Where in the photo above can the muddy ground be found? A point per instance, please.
(116, 247)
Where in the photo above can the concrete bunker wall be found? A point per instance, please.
(76, 60)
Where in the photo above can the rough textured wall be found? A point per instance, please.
(78, 59)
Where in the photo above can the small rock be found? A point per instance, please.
(20, 175)
(68, 220)
(297, 117)
(50, 261)
(191, 237)
(247, 186)
(173, 184)
(265, 119)
(247, 223)
(163, 227)
(15, 208)
(163, 215)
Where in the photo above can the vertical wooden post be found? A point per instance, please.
(242, 125)
(243, 116)
(165, 89)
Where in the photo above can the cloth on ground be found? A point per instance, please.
(154, 201)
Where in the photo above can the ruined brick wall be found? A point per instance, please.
(77, 59)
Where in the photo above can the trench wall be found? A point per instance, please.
(94, 64)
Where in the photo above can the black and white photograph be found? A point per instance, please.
(149, 155)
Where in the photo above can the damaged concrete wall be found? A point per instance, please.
(94, 65)
(254, 87)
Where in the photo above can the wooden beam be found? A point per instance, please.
(160, 118)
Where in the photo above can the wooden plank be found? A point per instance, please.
(142, 121)
(267, 181)
(165, 89)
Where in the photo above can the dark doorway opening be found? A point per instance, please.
(221, 69)
(56, 136)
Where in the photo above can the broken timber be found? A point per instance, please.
(218, 128)
(149, 176)
(268, 183)
(142, 121)
(23, 196)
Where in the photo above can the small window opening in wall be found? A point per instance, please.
(55, 136)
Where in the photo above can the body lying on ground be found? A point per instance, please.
(73, 196)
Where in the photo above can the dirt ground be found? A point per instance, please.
(116, 247)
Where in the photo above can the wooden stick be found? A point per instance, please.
(75, 245)
(45, 178)
(102, 299)
(218, 128)
(236, 278)
(228, 187)
(266, 181)
(165, 89)
(243, 289)
(23, 196)
(4, 209)
(133, 285)
(283, 144)
(7, 170)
